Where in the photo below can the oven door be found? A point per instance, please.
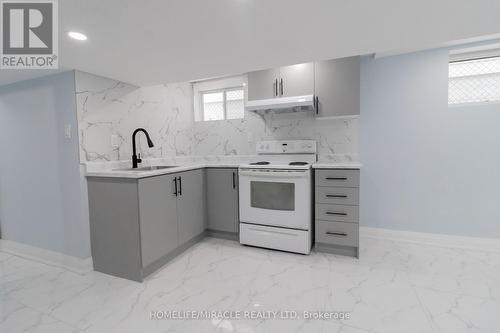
(276, 197)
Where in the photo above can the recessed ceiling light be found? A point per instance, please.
(77, 35)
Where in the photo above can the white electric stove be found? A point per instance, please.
(276, 196)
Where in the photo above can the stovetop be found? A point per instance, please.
(299, 165)
(284, 155)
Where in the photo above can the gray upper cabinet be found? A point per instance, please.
(297, 80)
(294, 80)
(158, 217)
(337, 85)
(222, 200)
(263, 84)
(191, 204)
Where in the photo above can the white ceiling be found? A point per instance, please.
(159, 41)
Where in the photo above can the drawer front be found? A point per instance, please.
(341, 178)
(275, 238)
(341, 213)
(337, 195)
(337, 233)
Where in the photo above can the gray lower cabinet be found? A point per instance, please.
(191, 209)
(158, 217)
(337, 87)
(222, 202)
(137, 225)
(114, 227)
(337, 211)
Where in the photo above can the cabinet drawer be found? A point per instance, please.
(341, 178)
(337, 195)
(337, 233)
(341, 213)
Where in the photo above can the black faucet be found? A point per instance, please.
(136, 160)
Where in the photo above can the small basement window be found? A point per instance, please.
(474, 77)
(219, 99)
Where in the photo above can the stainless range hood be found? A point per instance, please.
(282, 104)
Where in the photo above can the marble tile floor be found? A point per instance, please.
(394, 287)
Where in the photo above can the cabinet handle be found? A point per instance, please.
(175, 186)
(332, 233)
(335, 213)
(316, 104)
(276, 88)
(336, 178)
(180, 185)
(281, 86)
(336, 196)
(234, 179)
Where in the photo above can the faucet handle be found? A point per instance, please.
(139, 160)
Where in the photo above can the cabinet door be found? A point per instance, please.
(158, 217)
(262, 84)
(337, 87)
(222, 199)
(191, 204)
(297, 80)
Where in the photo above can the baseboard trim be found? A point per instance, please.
(440, 240)
(223, 234)
(73, 264)
(337, 249)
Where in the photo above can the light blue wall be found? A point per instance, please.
(426, 166)
(40, 193)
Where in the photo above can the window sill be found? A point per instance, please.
(461, 105)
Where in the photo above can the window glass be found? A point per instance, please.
(272, 195)
(213, 106)
(235, 104)
(474, 81)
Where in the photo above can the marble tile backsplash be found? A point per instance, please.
(108, 112)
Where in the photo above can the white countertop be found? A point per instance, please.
(117, 173)
(340, 165)
(114, 169)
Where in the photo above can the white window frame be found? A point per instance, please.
(224, 92)
(217, 85)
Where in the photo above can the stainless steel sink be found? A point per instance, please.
(148, 168)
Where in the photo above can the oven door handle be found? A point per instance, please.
(278, 174)
(273, 232)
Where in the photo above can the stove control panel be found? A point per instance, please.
(287, 147)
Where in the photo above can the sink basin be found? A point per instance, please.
(148, 168)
